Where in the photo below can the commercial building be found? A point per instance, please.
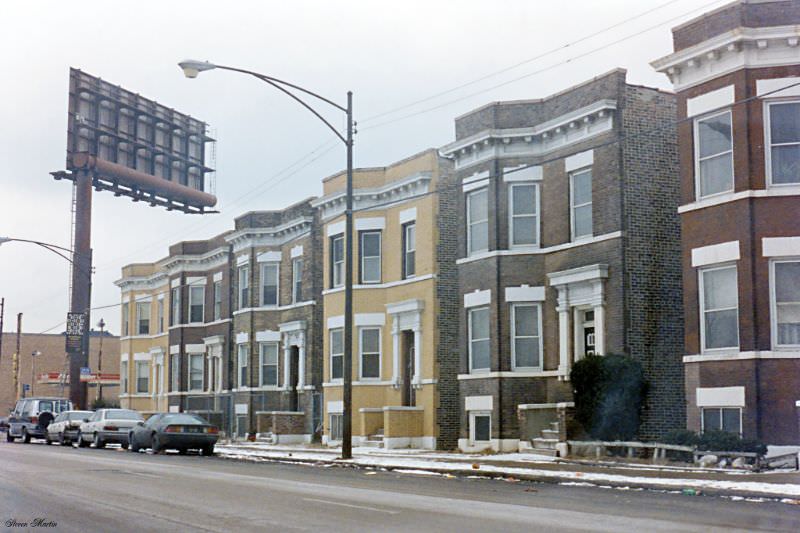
(568, 245)
(736, 71)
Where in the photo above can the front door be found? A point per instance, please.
(294, 360)
(407, 362)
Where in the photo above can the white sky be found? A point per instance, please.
(388, 53)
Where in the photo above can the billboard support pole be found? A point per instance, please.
(81, 282)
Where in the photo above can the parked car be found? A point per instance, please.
(106, 426)
(31, 416)
(3, 423)
(65, 427)
(181, 431)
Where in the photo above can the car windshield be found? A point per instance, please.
(183, 419)
(45, 405)
(79, 415)
(122, 414)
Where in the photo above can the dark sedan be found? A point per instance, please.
(180, 431)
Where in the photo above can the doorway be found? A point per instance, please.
(407, 368)
(294, 362)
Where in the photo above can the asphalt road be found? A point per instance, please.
(111, 490)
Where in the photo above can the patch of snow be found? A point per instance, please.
(416, 472)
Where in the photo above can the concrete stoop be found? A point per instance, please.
(548, 443)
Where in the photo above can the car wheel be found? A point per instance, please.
(157, 448)
(25, 437)
(48, 440)
(9, 438)
(182, 451)
(81, 443)
(132, 446)
(98, 442)
(208, 450)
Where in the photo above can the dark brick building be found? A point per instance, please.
(736, 71)
(568, 244)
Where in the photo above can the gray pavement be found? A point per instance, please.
(109, 490)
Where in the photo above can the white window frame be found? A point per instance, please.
(703, 418)
(126, 319)
(768, 140)
(512, 216)
(335, 437)
(192, 370)
(773, 304)
(193, 289)
(141, 316)
(337, 267)
(138, 365)
(262, 364)
(297, 279)
(242, 364)
(696, 141)
(216, 289)
(703, 310)
(470, 340)
(472, 416)
(409, 226)
(175, 306)
(123, 374)
(261, 283)
(513, 327)
(160, 315)
(471, 223)
(573, 206)
(243, 279)
(362, 257)
(361, 353)
(332, 354)
(175, 372)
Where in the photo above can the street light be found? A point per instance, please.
(191, 68)
(34, 355)
(56, 249)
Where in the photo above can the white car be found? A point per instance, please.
(106, 426)
(65, 427)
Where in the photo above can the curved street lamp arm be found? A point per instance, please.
(40, 243)
(53, 248)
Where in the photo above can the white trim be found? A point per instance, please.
(539, 336)
(242, 260)
(575, 275)
(472, 416)
(767, 119)
(386, 285)
(512, 374)
(296, 251)
(142, 356)
(195, 348)
(368, 319)
(335, 407)
(217, 276)
(470, 223)
(534, 406)
(335, 228)
(195, 325)
(741, 356)
(696, 154)
(579, 160)
(406, 306)
(240, 408)
(336, 322)
(269, 257)
(474, 185)
(470, 340)
(196, 280)
(174, 349)
(265, 308)
(775, 84)
(525, 293)
(572, 206)
(262, 265)
(773, 305)
(123, 358)
(214, 340)
(701, 302)
(372, 223)
(361, 330)
(242, 338)
(362, 257)
(294, 325)
(712, 254)
(477, 298)
(268, 336)
(724, 198)
(537, 251)
(523, 173)
(478, 403)
(720, 396)
(407, 215)
(710, 101)
(536, 214)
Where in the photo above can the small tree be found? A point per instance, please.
(609, 394)
(104, 404)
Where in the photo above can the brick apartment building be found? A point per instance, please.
(568, 244)
(52, 362)
(736, 72)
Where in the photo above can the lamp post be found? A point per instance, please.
(34, 355)
(191, 69)
(101, 325)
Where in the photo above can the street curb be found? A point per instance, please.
(551, 479)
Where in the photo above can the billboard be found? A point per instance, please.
(136, 147)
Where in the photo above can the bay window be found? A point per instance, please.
(370, 250)
(269, 284)
(477, 221)
(197, 295)
(242, 356)
(370, 350)
(196, 361)
(786, 303)
(719, 308)
(526, 339)
(783, 137)
(714, 154)
(581, 203)
(337, 261)
(337, 354)
(478, 324)
(268, 361)
(524, 219)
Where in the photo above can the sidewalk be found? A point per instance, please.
(783, 485)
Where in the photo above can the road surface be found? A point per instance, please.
(89, 490)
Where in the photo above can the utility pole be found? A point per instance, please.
(101, 325)
(16, 355)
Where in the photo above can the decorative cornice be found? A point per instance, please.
(142, 283)
(333, 205)
(730, 51)
(564, 130)
(176, 264)
(269, 235)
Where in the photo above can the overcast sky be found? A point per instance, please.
(390, 54)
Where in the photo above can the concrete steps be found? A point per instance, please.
(548, 442)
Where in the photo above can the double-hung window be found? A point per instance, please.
(370, 249)
(786, 303)
(524, 214)
(197, 296)
(336, 423)
(175, 368)
(727, 419)
(337, 261)
(196, 361)
(217, 300)
(175, 302)
(244, 286)
(580, 192)
(142, 377)
(143, 318)
(714, 154)
(123, 377)
(783, 138)
(719, 308)
(337, 353)
(269, 284)
(125, 319)
(526, 338)
(477, 221)
(370, 348)
(409, 250)
(268, 361)
(242, 356)
(479, 338)
(297, 280)
(160, 315)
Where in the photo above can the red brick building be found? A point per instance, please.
(736, 72)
